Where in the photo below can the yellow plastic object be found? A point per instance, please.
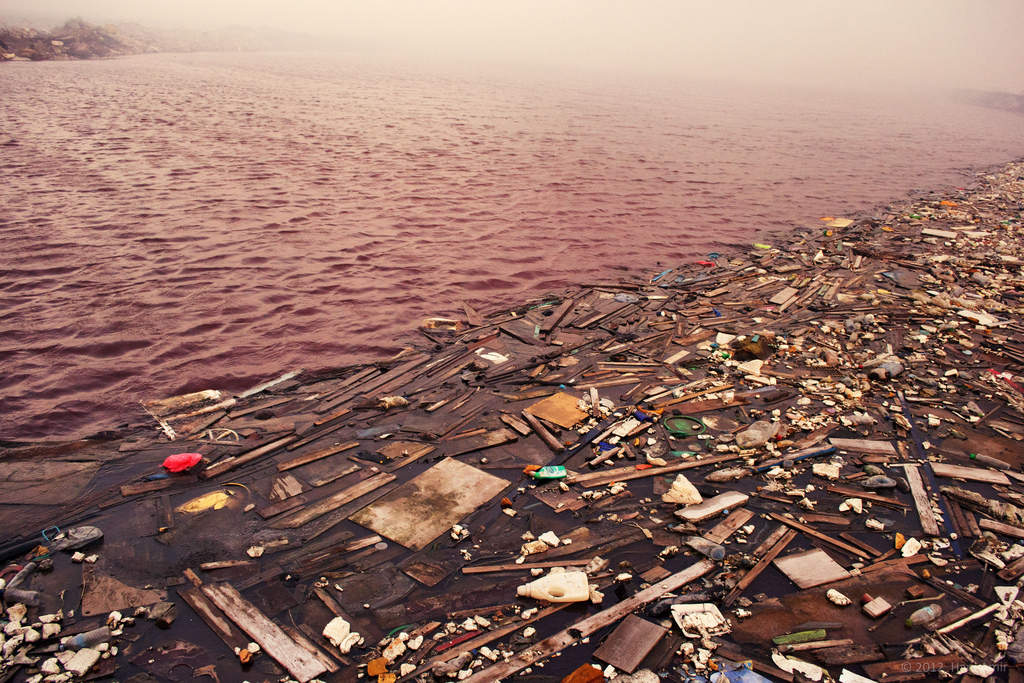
(758, 245)
(214, 500)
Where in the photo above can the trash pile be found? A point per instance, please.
(801, 462)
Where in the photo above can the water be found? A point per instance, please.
(177, 222)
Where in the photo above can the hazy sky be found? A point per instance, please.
(856, 42)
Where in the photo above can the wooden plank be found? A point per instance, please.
(590, 625)
(307, 458)
(556, 317)
(516, 424)
(712, 506)
(921, 666)
(820, 536)
(787, 536)
(489, 568)
(275, 642)
(1000, 528)
(490, 439)
(231, 463)
(472, 317)
(485, 638)
(310, 647)
(214, 618)
(631, 641)
(631, 472)
(864, 446)
(728, 526)
(866, 495)
(546, 436)
(135, 488)
(783, 295)
(850, 538)
(333, 502)
(286, 486)
(929, 524)
(1012, 571)
(225, 564)
(942, 469)
(811, 568)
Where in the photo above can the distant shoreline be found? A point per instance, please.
(80, 40)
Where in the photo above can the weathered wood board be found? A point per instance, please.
(811, 568)
(561, 409)
(417, 512)
(864, 446)
(713, 506)
(34, 482)
(942, 469)
(102, 594)
(631, 641)
(275, 642)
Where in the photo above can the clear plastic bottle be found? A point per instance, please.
(706, 547)
(924, 615)
(87, 639)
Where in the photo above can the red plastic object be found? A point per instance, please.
(181, 462)
(707, 264)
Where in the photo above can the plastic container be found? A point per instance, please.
(549, 472)
(91, 638)
(925, 615)
(558, 587)
(706, 548)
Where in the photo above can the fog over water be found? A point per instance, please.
(910, 43)
(175, 222)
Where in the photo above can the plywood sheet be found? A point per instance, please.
(32, 482)
(423, 508)
(629, 643)
(811, 568)
(102, 593)
(561, 409)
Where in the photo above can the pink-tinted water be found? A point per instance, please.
(176, 222)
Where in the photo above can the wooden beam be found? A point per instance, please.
(333, 502)
(294, 658)
(590, 625)
(929, 524)
(820, 536)
(488, 568)
(222, 466)
(307, 458)
(631, 472)
(942, 469)
(728, 526)
(546, 436)
(762, 564)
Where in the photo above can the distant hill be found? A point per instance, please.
(78, 39)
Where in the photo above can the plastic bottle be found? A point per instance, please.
(87, 639)
(706, 547)
(558, 587)
(549, 472)
(924, 615)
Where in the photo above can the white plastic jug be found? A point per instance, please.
(558, 587)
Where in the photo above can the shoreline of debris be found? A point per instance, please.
(798, 462)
